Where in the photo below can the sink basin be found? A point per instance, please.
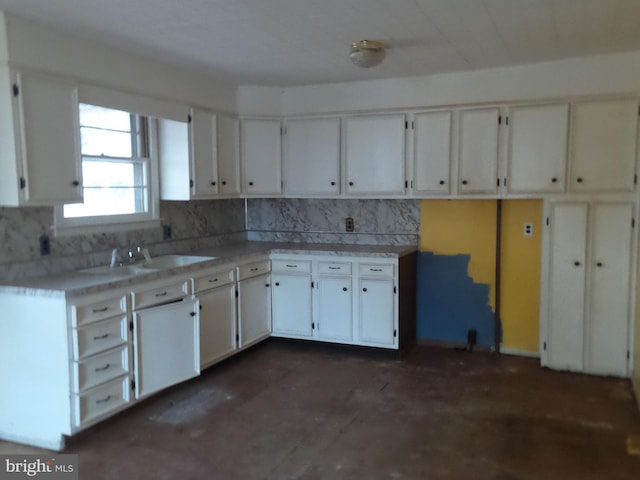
(158, 263)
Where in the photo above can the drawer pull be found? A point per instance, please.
(101, 337)
(334, 268)
(100, 310)
(344, 289)
(214, 280)
(102, 369)
(375, 269)
(254, 269)
(104, 400)
(364, 289)
(291, 266)
(163, 294)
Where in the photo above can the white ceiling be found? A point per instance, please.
(298, 42)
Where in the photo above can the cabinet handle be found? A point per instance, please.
(554, 180)
(75, 183)
(213, 280)
(291, 266)
(599, 264)
(163, 294)
(577, 264)
(101, 337)
(579, 179)
(351, 184)
(102, 369)
(334, 268)
(277, 284)
(344, 289)
(224, 182)
(100, 310)
(375, 269)
(251, 184)
(254, 269)
(464, 182)
(104, 400)
(267, 284)
(193, 314)
(213, 184)
(364, 289)
(333, 183)
(441, 182)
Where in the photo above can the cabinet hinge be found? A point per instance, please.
(133, 384)
(395, 289)
(189, 119)
(190, 183)
(635, 179)
(497, 181)
(406, 125)
(237, 338)
(23, 183)
(131, 325)
(544, 345)
(16, 90)
(313, 326)
(499, 119)
(506, 120)
(395, 333)
(504, 181)
(312, 285)
(547, 221)
(406, 184)
(633, 222)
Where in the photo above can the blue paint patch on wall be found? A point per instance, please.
(449, 302)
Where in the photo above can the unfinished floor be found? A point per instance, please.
(291, 410)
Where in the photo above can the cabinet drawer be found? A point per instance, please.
(213, 280)
(302, 266)
(101, 336)
(375, 270)
(101, 368)
(159, 294)
(102, 400)
(334, 268)
(254, 268)
(98, 310)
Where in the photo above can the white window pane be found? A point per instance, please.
(102, 117)
(111, 174)
(107, 201)
(98, 142)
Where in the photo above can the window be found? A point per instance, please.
(117, 164)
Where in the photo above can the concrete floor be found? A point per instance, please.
(289, 410)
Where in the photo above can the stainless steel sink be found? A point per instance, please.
(125, 270)
(163, 262)
(172, 261)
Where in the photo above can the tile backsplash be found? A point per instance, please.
(193, 225)
(376, 221)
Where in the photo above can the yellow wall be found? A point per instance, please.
(520, 274)
(451, 227)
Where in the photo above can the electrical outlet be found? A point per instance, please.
(348, 224)
(45, 245)
(166, 232)
(528, 229)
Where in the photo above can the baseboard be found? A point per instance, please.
(480, 348)
(518, 352)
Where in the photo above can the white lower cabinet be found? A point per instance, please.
(376, 307)
(334, 311)
(586, 310)
(217, 324)
(254, 303)
(291, 305)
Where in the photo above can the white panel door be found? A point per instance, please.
(217, 323)
(48, 109)
(603, 145)
(432, 152)
(260, 151)
(312, 161)
(478, 151)
(254, 309)
(537, 148)
(228, 155)
(567, 277)
(166, 342)
(609, 294)
(291, 305)
(377, 312)
(203, 154)
(334, 309)
(375, 155)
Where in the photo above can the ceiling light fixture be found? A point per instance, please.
(367, 53)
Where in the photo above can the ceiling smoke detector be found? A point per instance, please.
(367, 53)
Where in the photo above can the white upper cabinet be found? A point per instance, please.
(603, 145)
(537, 148)
(312, 159)
(374, 154)
(260, 147)
(176, 176)
(40, 146)
(228, 156)
(203, 154)
(432, 153)
(478, 151)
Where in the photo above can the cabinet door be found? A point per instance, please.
(166, 345)
(254, 309)
(228, 156)
(203, 154)
(48, 109)
(478, 151)
(176, 177)
(261, 156)
(566, 287)
(334, 307)
(609, 290)
(603, 145)
(291, 305)
(217, 324)
(312, 162)
(537, 148)
(432, 152)
(377, 312)
(375, 155)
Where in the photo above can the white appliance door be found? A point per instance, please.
(167, 345)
